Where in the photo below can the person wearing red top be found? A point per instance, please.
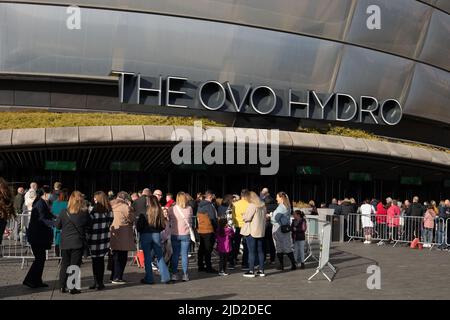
(381, 221)
(393, 220)
(169, 200)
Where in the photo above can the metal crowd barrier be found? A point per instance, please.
(312, 238)
(446, 235)
(15, 244)
(400, 229)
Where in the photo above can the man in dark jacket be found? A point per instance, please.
(140, 205)
(269, 246)
(416, 209)
(444, 214)
(346, 207)
(414, 225)
(40, 237)
(207, 225)
(334, 205)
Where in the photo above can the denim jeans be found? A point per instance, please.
(428, 235)
(440, 235)
(180, 245)
(236, 243)
(255, 247)
(149, 242)
(299, 251)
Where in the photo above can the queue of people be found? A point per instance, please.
(394, 220)
(263, 226)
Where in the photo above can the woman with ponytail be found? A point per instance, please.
(281, 232)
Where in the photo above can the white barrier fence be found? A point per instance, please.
(398, 229)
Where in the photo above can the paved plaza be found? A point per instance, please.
(405, 274)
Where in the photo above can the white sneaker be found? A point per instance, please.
(221, 273)
(185, 277)
(249, 274)
(154, 267)
(175, 277)
(367, 242)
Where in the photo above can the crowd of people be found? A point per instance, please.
(406, 221)
(168, 229)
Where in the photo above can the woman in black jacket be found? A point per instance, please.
(72, 223)
(40, 237)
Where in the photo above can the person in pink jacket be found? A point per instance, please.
(224, 234)
(393, 220)
(428, 224)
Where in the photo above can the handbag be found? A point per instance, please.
(191, 231)
(286, 228)
(284, 225)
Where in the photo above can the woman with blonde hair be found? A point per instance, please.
(254, 231)
(101, 218)
(281, 231)
(180, 216)
(149, 226)
(73, 223)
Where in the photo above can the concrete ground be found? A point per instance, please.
(405, 274)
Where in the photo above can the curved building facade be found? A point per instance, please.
(52, 58)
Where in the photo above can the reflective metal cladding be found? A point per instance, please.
(320, 46)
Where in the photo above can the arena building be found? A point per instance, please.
(284, 65)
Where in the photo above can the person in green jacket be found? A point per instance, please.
(58, 205)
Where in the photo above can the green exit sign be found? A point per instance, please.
(125, 166)
(412, 181)
(308, 170)
(193, 167)
(360, 176)
(61, 165)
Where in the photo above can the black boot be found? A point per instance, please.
(293, 263)
(94, 285)
(280, 258)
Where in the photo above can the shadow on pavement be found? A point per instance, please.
(345, 270)
(213, 297)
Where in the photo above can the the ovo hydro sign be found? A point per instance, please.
(212, 95)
